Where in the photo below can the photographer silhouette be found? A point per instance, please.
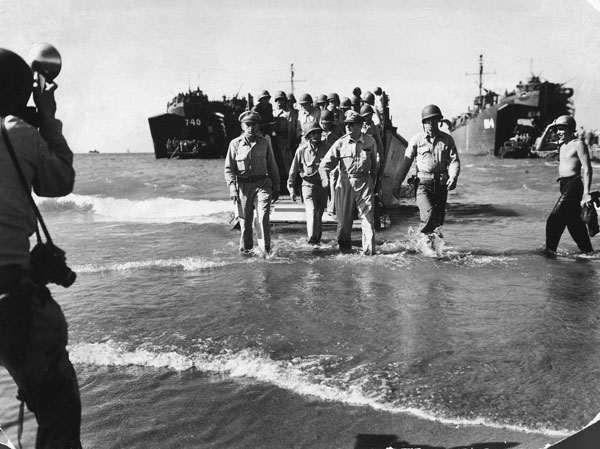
(33, 330)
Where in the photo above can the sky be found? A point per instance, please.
(123, 60)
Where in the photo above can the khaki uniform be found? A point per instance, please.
(251, 174)
(306, 164)
(357, 164)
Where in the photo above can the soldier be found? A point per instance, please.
(369, 98)
(280, 140)
(333, 105)
(307, 113)
(252, 176)
(345, 105)
(369, 127)
(293, 126)
(355, 154)
(575, 178)
(331, 133)
(306, 163)
(438, 168)
(321, 102)
(356, 102)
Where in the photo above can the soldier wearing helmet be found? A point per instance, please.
(333, 105)
(355, 156)
(438, 167)
(370, 127)
(281, 136)
(252, 176)
(33, 330)
(331, 133)
(345, 105)
(321, 102)
(306, 164)
(308, 113)
(575, 178)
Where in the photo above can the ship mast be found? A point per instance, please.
(292, 73)
(481, 73)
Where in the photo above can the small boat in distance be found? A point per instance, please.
(508, 125)
(195, 127)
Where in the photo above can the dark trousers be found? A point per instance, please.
(33, 339)
(431, 198)
(567, 213)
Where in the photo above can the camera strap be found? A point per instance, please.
(38, 215)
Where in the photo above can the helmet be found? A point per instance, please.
(305, 98)
(309, 127)
(355, 100)
(365, 110)
(322, 98)
(378, 91)
(333, 96)
(264, 94)
(352, 117)
(327, 116)
(565, 120)
(356, 91)
(431, 111)
(280, 95)
(291, 98)
(345, 102)
(369, 98)
(16, 82)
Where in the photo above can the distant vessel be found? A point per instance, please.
(195, 127)
(507, 126)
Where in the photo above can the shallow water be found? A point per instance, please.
(165, 311)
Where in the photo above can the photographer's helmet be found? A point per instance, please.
(16, 83)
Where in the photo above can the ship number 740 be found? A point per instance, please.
(192, 122)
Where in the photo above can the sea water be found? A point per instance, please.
(180, 341)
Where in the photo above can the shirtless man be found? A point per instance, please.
(575, 177)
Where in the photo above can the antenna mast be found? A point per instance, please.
(481, 73)
(292, 73)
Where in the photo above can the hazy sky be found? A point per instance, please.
(123, 60)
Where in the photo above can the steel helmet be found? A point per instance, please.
(333, 96)
(366, 109)
(280, 95)
(322, 98)
(264, 94)
(566, 120)
(345, 103)
(369, 98)
(309, 127)
(378, 90)
(16, 82)
(327, 116)
(431, 111)
(305, 98)
(291, 98)
(355, 100)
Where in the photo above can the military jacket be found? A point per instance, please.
(353, 157)
(250, 159)
(434, 155)
(306, 162)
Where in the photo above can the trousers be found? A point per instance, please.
(255, 196)
(33, 340)
(359, 191)
(567, 213)
(315, 202)
(431, 200)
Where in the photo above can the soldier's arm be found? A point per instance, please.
(328, 163)
(453, 166)
(586, 170)
(272, 167)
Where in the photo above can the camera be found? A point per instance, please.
(49, 264)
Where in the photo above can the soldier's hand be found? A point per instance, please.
(43, 96)
(451, 183)
(293, 195)
(587, 198)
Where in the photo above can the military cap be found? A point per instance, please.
(326, 116)
(352, 117)
(309, 127)
(305, 98)
(366, 109)
(345, 103)
(333, 96)
(264, 94)
(250, 117)
(322, 98)
(280, 95)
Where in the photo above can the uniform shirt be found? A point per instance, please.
(306, 117)
(249, 159)
(281, 117)
(47, 163)
(434, 155)
(353, 157)
(373, 130)
(306, 162)
(331, 136)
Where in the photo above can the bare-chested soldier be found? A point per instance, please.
(575, 177)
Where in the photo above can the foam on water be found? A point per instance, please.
(155, 210)
(302, 375)
(185, 264)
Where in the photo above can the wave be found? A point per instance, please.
(301, 375)
(184, 264)
(154, 210)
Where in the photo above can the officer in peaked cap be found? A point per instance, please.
(252, 176)
(438, 167)
(306, 164)
(355, 155)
